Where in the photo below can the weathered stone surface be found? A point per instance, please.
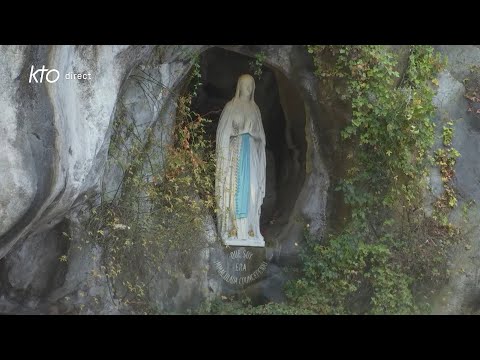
(269, 202)
(55, 133)
(35, 266)
(55, 139)
(463, 292)
(269, 289)
(85, 289)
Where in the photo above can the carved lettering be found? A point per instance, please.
(240, 267)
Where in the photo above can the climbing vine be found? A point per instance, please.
(472, 93)
(257, 63)
(446, 158)
(151, 223)
(391, 254)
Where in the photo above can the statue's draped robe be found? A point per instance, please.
(240, 171)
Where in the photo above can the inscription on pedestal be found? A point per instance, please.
(240, 267)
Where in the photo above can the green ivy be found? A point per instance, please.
(391, 255)
(446, 158)
(256, 65)
(150, 225)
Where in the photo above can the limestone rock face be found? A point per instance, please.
(36, 265)
(463, 292)
(54, 150)
(54, 144)
(54, 135)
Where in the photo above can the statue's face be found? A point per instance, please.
(246, 88)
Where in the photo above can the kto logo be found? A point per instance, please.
(51, 78)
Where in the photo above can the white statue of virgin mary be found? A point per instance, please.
(240, 168)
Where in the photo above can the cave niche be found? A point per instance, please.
(283, 117)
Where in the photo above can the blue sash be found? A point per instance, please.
(242, 194)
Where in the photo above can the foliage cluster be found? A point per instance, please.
(392, 252)
(391, 255)
(151, 223)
